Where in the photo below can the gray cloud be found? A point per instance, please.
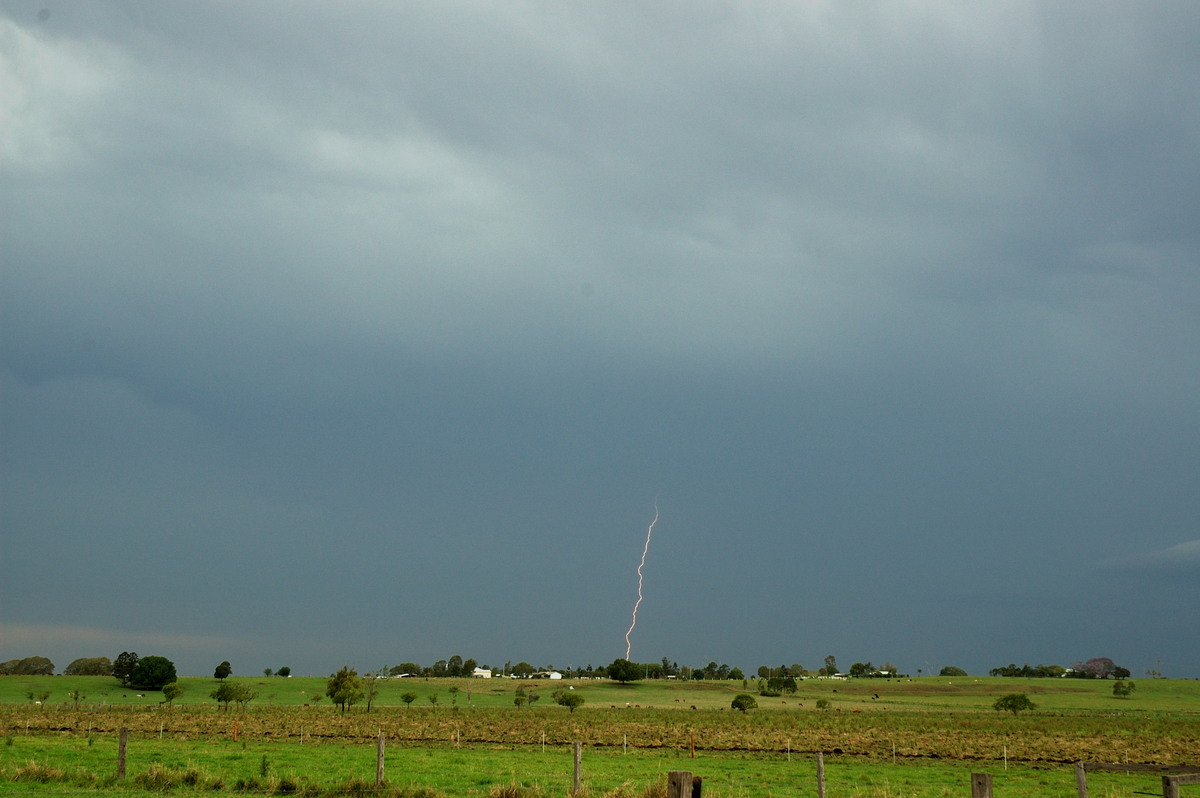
(308, 308)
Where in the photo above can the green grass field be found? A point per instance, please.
(920, 737)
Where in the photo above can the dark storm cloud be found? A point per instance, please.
(358, 332)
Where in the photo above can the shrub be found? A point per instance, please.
(743, 702)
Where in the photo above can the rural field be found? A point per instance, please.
(461, 737)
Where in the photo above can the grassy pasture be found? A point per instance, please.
(882, 738)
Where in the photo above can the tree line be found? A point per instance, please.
(1094, 668)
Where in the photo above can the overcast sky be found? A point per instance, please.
(365, 332)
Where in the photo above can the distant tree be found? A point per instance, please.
(223, 670)
(29, 666)
(344, 688)
(736, 674)
(1123, 689)
(1094, 668)
(284, 671)
(152, 672)
(532, 697)
(1120, 673)
(830, 668)
(1014, 703)
(469, 667)
(223, 694)
(267, 671)
(439, 669)
(624, 671)
(764, 672)
(89, 666)
(76, 696)
(520, 698)
(243, 694)
(822, 703)
(172, 691)
(1031, 671)
(408, 698)
(454, 690)
(454, 667)
(123, 666)
(409, 668)
(522, 670)
(743, 702)
(860, 669)
(569, 699)
(433, 699)
(370, 683)
(952, 670)
(781, 684)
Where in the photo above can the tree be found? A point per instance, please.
(76, 696)
(344, 688)
(781, 684)
(952, 670)
(371, 688)
(243, 694)
(743, 702)
(408, 698)
(569, 699)
(29, 666)
(454, 690)
(1096, 668)
(522, 670)
(223, 695)
(860, 669)
(830, 668)
(152, 672)
(223, 670)
(454, 667)
(1014, 703)
(284, 671)
(267, 671)
(405, 669)
(1123, 689)
(123, 667)
(624, 671)
(172, 691)
(89, 666)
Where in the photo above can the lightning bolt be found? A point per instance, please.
(641, 565)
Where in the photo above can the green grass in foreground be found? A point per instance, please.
(256, 767)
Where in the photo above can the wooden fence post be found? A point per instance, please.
(1080, 779)
(981, 785)
(122, 741)
(379, 761)
(578, 767)
(820, 775)
(679, 784)
(1171, 783)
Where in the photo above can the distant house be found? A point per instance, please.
(547, 675)
(482, 673)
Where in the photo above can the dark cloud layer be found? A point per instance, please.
(346, 332)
